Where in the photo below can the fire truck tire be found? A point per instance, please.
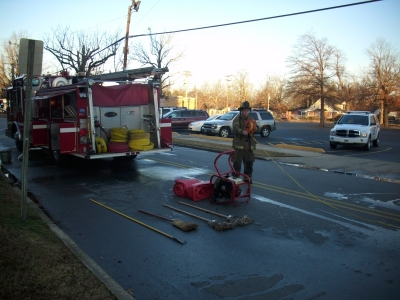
(59, 159)
(19, 145)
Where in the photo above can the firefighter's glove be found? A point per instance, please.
(244, 132)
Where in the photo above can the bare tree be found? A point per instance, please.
(82, 51)
(385, 73)
(313, 64)
(241, 88)
(9, 58)
(160, 53)
(270, 96)
(212, 95)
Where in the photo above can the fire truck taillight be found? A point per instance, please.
(83, 134)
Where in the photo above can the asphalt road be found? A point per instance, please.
(308, 134)
(316, 235)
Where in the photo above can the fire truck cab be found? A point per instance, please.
(74, 115)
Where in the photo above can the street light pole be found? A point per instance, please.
(135, 5)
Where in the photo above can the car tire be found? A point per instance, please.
(225, 132)
(333, 146)
(376, 142)
(367, 146)
(265, 131)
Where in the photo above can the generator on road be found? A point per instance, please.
(110, 115)
(229, 186)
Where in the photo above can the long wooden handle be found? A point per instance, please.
(154, 215)
(141, 223)
(206, 210)
(188, 213)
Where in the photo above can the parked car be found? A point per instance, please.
(196, 126)
(180, 119)
(3, 105)
(165, 110)
(391, 120)
(358, 128)
(224, 125)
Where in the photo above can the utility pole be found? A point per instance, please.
(187, 74)
(27, 112)
(228, 79)
(135, 6)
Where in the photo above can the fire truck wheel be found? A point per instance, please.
(59, 159)
(19, 145)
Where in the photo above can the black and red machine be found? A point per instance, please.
(229, 186)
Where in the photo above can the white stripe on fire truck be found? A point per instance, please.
(165, 124)
(41, 126)
(65, 130)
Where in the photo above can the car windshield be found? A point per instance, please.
(353, 119)
(213, 117)
(228, 116)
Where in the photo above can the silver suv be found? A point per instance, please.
(356, 128)
(224, 125)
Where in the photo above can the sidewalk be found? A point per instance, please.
(305, 157)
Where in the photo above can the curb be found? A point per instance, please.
(110, 283)
(301, 148)
(342, 172)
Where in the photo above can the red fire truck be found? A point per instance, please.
(79, 115)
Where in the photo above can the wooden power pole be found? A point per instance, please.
(135, 6)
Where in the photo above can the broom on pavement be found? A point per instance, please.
(183, 225)
(243, 221)
(219, 226)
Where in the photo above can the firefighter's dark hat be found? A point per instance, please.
(245, 105)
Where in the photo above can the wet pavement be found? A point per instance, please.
(311, 158)
(299, 157)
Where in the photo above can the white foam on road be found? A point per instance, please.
(270, 201)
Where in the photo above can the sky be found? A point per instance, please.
(260, 48)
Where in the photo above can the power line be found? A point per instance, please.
(246, 21)
(106, 22)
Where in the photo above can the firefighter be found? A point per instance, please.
(243, 142)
